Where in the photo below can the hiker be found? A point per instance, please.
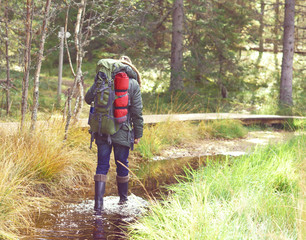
(128, 128)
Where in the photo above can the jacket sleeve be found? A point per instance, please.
(89, 97)
(136, 111)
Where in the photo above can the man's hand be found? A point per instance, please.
(136, 141)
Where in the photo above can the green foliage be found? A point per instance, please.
(227, 129)
(212, 52)
(253, 196)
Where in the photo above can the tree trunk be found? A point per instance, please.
(261, 26)
(66, 42)
(27, 61)
(288, 52)
(261, 31)
(7, 61)
(79, 59)
(38, 67)
(222, 88)
(176, 82)
(60, 67)
(275, 40)
(80, 100)
(276, 27)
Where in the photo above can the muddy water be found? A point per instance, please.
(76, 219)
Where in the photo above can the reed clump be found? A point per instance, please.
(37, 169)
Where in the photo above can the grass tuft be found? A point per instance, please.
(226, 129)
(158, 137)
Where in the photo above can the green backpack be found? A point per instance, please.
(101, 115)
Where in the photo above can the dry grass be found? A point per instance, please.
(159, 136)
(36, 169)
(226, 129)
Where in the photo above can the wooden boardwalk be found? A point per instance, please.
(152, 119)
(245, 118)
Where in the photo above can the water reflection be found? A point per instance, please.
(78, 220)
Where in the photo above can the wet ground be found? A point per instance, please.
(232, 147)
(75, 219)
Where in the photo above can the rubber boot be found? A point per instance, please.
(100, 181)
(122, 183)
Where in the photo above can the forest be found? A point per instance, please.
(194, 56)
(224, 55)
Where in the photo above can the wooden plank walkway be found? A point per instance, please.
(152, 119)
(245, 118)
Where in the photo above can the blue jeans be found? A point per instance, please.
(121, 155)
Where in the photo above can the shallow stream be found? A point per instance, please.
(76, 219)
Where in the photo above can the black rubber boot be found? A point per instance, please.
(122, 183)
(100, 181)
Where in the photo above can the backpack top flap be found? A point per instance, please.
(112, 66)
(109, 67)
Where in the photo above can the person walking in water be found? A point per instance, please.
(116, 121)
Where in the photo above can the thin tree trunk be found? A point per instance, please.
(39, 62)
(79, 58)
(27, 61)
(223, 89)
(7, 61)
(65, 108)
(176, 82)
(261, 26)
(79, 106)
(60, 66)
(80, 102)
(288, 52)
(261, 31)
(66, 43)
(276, 27)
(275, 40)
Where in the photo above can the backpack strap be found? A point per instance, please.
(91, 139)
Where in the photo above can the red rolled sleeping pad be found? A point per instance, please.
(122, 97)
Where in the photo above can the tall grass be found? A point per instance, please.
(162, 135)
(158, 137)
(35, 170)
(251, 197)
(226, 129)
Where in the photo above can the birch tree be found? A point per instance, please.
(176, 82)
(39, 62)
(7, 58)
(79, 59)
(288, 52)
(27, 61)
